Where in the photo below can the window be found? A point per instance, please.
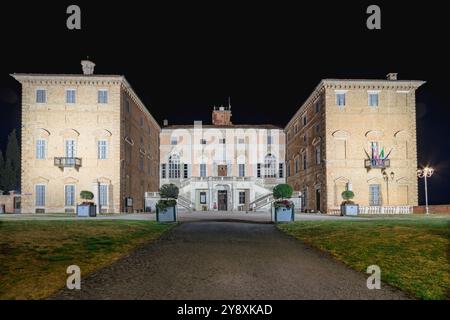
(241, 170)
(202, 197)
(40, 195)
(69, 195)
(304, 120)
(174, 167)
(281, 170)
(222, 141)
(149, 168)
(70, 95)
(202, 169)
(70, 149)
(141, 164)
(318, 154)
(297, 168)
(41, 96)
(373, 99)
(241, 141)
(304, 161)
(202, 141)
(185, 171)
(317, 105)
(173, 141)
(141, 121)
(305, 137)
(288, 169)
(317, 128)
(296, 128)
(269, 139)
(163, 171)
(241, 197)
(103, 96)
(340, 99)
(269, 166)
(258, 170)
(103, 195)
(40, 149)
(102, 147)
(127, 106)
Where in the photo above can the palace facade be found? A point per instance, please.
(85, 132)
(357, 135)
(223, 166)
(92, 132)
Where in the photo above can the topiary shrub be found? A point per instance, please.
(347, 195)
(169, 191)
(282, 192)
(86, 195)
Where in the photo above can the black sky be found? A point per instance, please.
(183, 58)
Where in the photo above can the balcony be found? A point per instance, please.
(377, 163)
(62, 162)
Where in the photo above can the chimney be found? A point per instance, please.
(165, 122)
(392, 76)
(88, 67)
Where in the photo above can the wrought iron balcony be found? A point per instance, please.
(63, 162)
(377, 163)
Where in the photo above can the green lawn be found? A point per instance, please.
(413, 254)
(34, 255)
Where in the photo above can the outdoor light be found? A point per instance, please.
(425, 173)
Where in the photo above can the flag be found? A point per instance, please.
(382, 153)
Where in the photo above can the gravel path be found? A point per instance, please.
(227, 260)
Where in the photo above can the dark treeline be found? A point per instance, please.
(10, 164)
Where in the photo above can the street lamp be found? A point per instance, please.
(425, 173)
(387, 178)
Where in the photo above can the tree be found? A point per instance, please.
(2, 169)
(169, 191)
(13, 158)
(86, 195)
(282, 191)
(8, 177)
(347, 195)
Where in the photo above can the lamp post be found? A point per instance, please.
(388, 178)
(425, 173)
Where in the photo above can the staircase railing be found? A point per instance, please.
(261, 201)
(185, 203)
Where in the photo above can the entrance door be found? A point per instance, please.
(222, 170)
(222, 199)
(318, 199)
(374, 195)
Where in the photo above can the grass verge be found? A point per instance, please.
(34, 255)
(413, 254)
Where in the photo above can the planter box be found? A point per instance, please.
(167, 215)
(349, 210)
(86, 210)
(283, 214)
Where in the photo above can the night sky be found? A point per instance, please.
(182, 59)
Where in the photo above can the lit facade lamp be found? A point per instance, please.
(425, 173)
(388, 178)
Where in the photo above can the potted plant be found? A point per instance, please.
(166, 210)
(348, 207)
(86, 208)
(283, 209)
